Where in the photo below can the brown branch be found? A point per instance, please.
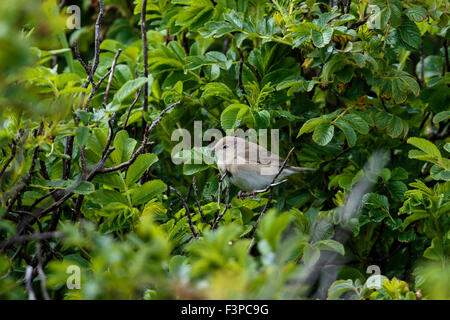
(194, 185)
(31, 237)
(138, 94)
(188, 213)
(227, 206)
(113, 68)
(68, 152)
(97, 38)
(86, 67)
(41, 273)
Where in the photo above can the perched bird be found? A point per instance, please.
(248, 165)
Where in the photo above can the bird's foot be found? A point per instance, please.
(241, 195)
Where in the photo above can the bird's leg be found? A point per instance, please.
(241, 195)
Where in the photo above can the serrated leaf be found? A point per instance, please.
(317, 38)
(410, 33)
(358, 123)
(395, 127)
(233, 116)
(348, 131)
(323, 133)
(441, 116)
(425, 145)
(310, 125)
(331, 245)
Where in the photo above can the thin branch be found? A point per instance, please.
(273, 183)
(41, 272)
(194, 185)
(97, 38)
(31, 237)
(188, 213)
(227, 206)
(86, 67)
(252, 232)
(219, 192)
(113, 68)
(131, 108)
(68, 152)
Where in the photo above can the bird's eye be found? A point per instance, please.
(224, 147)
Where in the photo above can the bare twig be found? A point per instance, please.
(227, 206)
(194, 185)
(252, 232)
(68, 152)
(86, 67)
(31, 237)
(41, 273)
(111, 75)
(97, 38)
(273, 183)
(219, 192)
(138, 94)
(188, 213)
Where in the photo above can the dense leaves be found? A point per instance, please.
(88, 177)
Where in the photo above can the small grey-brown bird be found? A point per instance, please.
(248, 165)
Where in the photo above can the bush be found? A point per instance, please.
(94, 207)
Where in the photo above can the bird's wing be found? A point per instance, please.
(256, 154)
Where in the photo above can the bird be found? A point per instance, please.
(250, 166)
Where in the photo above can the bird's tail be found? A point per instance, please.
(288, 170)
(293, 169)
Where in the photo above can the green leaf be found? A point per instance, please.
(311, 255)
(84, 188)
(395, 127)
(414, 217)
(339, 287)
(124, 147)
(317, 38)
(323, 133)
(82, 134)
(425, 145)
(217, 89)
(147, 192)
(233, 116)
(310, 125)
(410, 33)
(441, 116)
(358, 123)
(417, 13)
(138, 168)
(331, 245)
(129, 88)
(347, 130)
